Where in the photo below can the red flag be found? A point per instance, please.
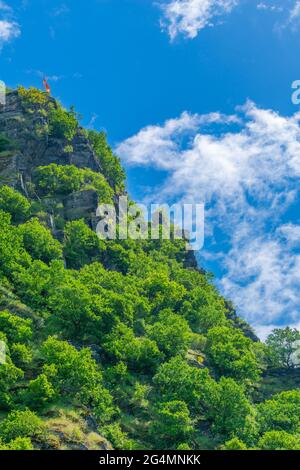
(46, 85)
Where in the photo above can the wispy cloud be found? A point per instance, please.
(248, 177)
(188, 17)
(61, 10)
(9, 28)
(269, 7)
(295, 13)
(5, 7)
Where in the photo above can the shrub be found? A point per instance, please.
(40, 391)
(33, 96)
(234, 444)
(63, 123)
(232, 354)
(109, 162)
(172, 423)
(20, 443)
(39, 242)
(58, 179)
(117, 437)
(171, 333)
(21, 424)
(14, 203)
(20, 354)
(279, 440)
(81, 244)
(15, 328)
(281, 412)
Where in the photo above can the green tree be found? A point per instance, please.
(81, 244)
(232, 354)
(9, 377)
(12, 252)
(231, 412)
(21, 355)
(21, 424)
(203, 309)
(75, 374)
(171, 333)
(139, 353)
(234, 444)
(14, 203)
(119, 439)
(172, 423)
(283, 346)
(63, 123)
(279, 440)
(163, 292)
(176, 380)
(110, 163)
(39, 242)
(16, 329)
(64, 179)
(76, 312)
(39, 392)
(281, 412)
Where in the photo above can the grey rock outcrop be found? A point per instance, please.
(34, 149)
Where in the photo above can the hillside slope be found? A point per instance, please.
(122, 343)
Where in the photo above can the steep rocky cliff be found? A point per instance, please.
(26, 124)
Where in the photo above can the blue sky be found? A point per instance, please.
(196, 97)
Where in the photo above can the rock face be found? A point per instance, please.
(81, 204)
(34, 149)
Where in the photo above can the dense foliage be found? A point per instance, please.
(123, 333)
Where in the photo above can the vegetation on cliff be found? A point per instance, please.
(119, 340)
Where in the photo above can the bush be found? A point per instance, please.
(117, 437)
(39, 242)
(81, 244)
(232, 354)
(39, 392)
(234, 444)
(281, 412)
(279, 440)
(138, 353)
(109, 162)
(20, 443)
(63, 123)
(33, 96)
(15, 328)
(177, 380)
(20, 354)
(172, 423)
(171, 333)
(58, 179)
(14, 203)
(21, 424)
(9, 376)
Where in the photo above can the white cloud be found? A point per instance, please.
(247, 174)
(295, 12)
(5, 7)
(290, 233)
(269, 7)
(188, 17)
(9, 28)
